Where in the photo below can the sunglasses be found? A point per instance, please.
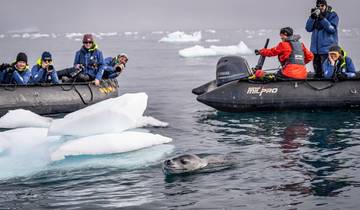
(321, 5)
(48, 60)
(87, 42)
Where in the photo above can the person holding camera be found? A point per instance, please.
(17, 72)
(338, 65)
(88, 63)
(43, 71)
(323, 24)
(114, 66)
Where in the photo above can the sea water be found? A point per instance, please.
(285, 160)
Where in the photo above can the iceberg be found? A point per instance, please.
(111, 143)
(109, 116)
(200, 51)
(21, 118)
(179, 36)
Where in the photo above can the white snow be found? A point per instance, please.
(73, 35)
(200, 51)
(21, 118)
(2, 36)
(179, 36)
(108, 144)
(212, 31)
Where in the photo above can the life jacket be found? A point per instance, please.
(297, 55)
(341, 65)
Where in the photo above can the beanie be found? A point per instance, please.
(21, 57)
(88, 38)
(335, 48)
(46, 56)
(287, 31)
(321, 2)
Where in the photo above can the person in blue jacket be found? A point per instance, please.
(323, 23)
(88, 63)
(17, 72)
(43, 71)
(338, 65)
(114, 66)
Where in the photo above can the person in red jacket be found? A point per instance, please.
(292, 54)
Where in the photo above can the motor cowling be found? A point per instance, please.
(230, 68)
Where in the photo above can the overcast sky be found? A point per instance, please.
(140, 15)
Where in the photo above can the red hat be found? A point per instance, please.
(88, 38)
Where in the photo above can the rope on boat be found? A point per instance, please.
(322, 88)
(73, 86)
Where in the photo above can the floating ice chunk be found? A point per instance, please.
(108, 144)
(212, 40)
(73, 35)
(21, 118)
(212, 31)
(179, 36)
(129, 33)
(16, 36)
(147, 121)
(157, 32)
(25, 151)
(2, 36)
(109, 116)
(199, 51)
(108, 34)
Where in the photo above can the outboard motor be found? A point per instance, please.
(230, 68)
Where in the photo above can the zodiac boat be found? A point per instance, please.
(56, 98)
(233, 91)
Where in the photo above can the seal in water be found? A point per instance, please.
(188, 163)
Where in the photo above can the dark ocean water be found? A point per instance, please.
(285, 160)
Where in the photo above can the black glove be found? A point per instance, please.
(313, 16)
(10, 69)
(321, 16)
(4, 66)
(257, 52)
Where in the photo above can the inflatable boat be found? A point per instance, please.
(56, 98)
(233, 91)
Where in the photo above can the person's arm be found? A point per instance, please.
(37, 73)
(350, 68)
(330, 25)
(77, 59)
(309, 56)
(54, 77)
(100, 70)
(272, 51)
(328, 69)
(310, 25)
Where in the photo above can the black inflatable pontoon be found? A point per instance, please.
(232, 91)
(54, 99)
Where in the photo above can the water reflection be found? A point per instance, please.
(308, 152)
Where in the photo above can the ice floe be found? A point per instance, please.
(119, 118)
(112, 115)
(212, 40)
(179, 36)
(21, 118)
(200, 51)
(108, 144)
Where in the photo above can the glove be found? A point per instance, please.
(4, 66)
(257, 52)
(321, 16)
(10, 69)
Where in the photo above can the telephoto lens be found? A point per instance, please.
(50, 67)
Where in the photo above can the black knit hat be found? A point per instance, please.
(321, 2)
(335, 48)
(287, 31)
(21, 57)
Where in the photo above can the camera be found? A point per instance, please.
(315, 12)
(50, 68)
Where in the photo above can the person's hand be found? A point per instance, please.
(97, 82)
(77, 66)
(257, 52)
(332, 61)
(44, 65)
